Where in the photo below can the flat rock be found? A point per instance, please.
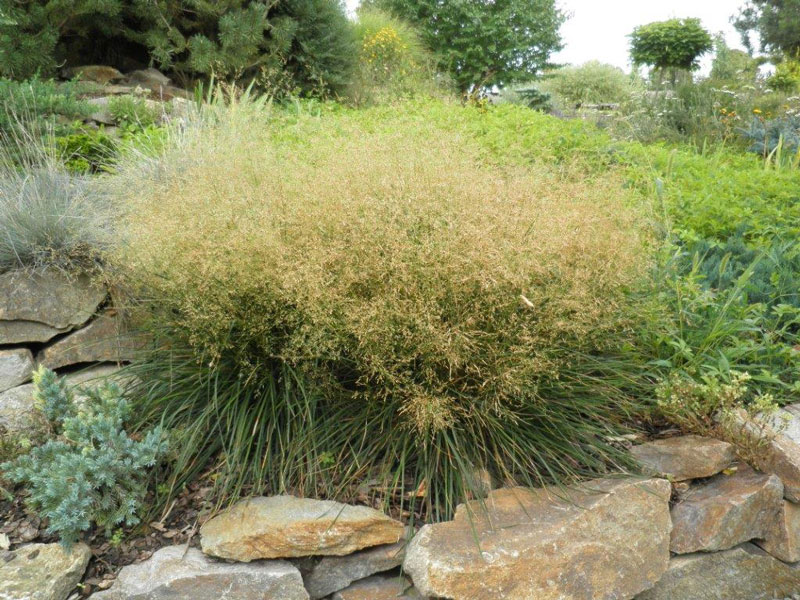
(289, 527)
(379, 587)
(16, 367)
(743, 573)
(725, 511)
(105, 339)
(684, 457)
(18, 414)
(176, 572)
(150, 78)
(323, 576)
(37, 307)
(42, 571)
(782, 539)
(606, 540)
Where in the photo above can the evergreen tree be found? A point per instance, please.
(777, 23)
(310, 40)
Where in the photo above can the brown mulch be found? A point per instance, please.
(178, 526)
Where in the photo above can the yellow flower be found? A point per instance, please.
(757, 111)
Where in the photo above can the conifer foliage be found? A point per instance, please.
(305, 43)
(91, 471)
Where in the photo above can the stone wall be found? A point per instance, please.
(63, 323)
(697, 525)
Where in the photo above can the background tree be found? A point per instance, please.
(777, 23)
(482, 44)
(673, 45)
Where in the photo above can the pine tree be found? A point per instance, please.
(311, 40)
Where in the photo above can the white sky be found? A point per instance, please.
(597, 29)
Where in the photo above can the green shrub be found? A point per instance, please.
(92, 472)
(392, 61)
(49, 217)
(86, 151)
(131, 112)
(786, 77)
(360, 295)
(590, 83)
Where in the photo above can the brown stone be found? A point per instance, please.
(783, 537)
(379, 587)
(684, 457)
(105, 339)
(323, 576)
(37, 307)
(95, 73)
(287, 527)
(607, 539)
(744, 573)
(725, 511)
(42, 571)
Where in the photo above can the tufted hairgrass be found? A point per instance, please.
(359, 297)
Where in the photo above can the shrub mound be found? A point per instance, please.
(357, 295)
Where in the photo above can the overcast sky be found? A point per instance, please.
(597, 29)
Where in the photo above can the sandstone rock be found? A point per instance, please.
(18, 415)
(684, 457)
(42, 571)
(34, 308)
(379, 587)
(96, 73)
(333, 573)
(16, 367)
(725, 511)
(608, 539)
(286, 527)
(783, 537)
(104, 339)
(176, 572)
(779, 437)
(744, 573)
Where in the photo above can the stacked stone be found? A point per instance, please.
(57, 321)
(735, 532)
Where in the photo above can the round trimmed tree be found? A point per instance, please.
(670, 46)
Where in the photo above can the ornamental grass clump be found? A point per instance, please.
(358, 297)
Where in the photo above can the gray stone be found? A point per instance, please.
(743, 573)
(18, 414)
(379, 587)
(42, 571)
(782, 539)
(176, 572)
(289, 527)
(684, 457)
(151, 78)
(100, 111)
(105, 339)
(607, 539)
(333, 573)
(16, 367)
(725, 511)
(37, 307)
(777, 441)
